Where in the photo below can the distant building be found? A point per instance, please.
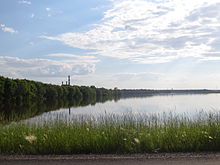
(67, 82)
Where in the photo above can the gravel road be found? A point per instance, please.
(134, 159)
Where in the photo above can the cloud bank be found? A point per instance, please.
(151, 32)
(18, 67)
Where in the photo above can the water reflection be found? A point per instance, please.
(12, 111)
(64, 110)
(187, 105)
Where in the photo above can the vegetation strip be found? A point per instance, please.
(21, 91)
(115, 134)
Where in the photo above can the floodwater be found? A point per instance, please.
(188, 105)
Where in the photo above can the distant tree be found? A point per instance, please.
(41, 90)
(2, 82)
(78, 94)
(51, 93)
(60, 91)
(71, 92)
(21, 90)
(26, 91)
(32, 90)
(10, 87)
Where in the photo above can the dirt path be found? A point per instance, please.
(135, 159)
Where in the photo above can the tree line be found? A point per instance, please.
(21, 91)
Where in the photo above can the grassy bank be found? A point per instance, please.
(115, 134)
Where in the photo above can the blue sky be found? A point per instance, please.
(156, 44)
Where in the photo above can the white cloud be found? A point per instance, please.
(78, 58)
(152, 31)
(24, 2)
(8, 29)
(18, 67)
(32, 15)
(48, 9)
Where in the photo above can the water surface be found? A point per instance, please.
(177, 104)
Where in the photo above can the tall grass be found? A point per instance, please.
(115, 134)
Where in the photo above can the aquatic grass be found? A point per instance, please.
(113, 133)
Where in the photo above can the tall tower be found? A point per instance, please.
(68, 80)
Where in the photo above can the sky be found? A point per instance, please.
(153, 44)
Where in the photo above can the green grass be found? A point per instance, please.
(115, 134)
